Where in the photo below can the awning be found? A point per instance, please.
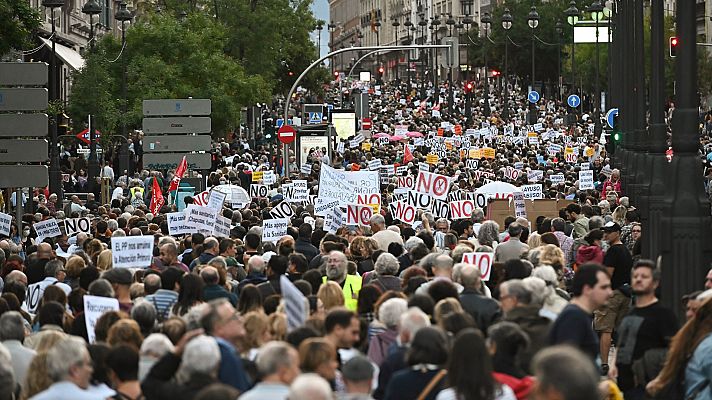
(71, 58)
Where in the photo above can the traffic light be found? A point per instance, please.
(495, 73)
(616, 136)
(673, 46)
(336, 75)
(469, 86)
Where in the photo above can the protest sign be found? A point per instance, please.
(432, 184)
(483, 262)
(258, 191)
(419, 200)
(222, 227)
(556, 179)
(403, 212)
(333, 220)
(5, 222)
(200, 218)
(374, 165)
(532, 192)
(74, 226)
(269, 178)
(132, 251)
(586, 180)
(282, 210)
(216, 200)
(47, 228)
(306, 169)
(358, 215)
(176, 224)
(520, 207)
(274, 229)
(94, 308)
(323, 206)
(257, 176)
(535, 176)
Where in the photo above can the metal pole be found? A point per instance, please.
(18, 203)
(485, 93)
(55, 174)
(124, 151)
(597, 123)
(505, 109)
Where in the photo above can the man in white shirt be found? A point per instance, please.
(381, 235)
(70, 367)
(119, 191)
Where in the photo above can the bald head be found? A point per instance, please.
(16, 276)
(210, 275)
(44, 251)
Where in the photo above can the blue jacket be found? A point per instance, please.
(699, 370)
(231, 371)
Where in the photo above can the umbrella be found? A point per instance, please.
(395, 138)
(497, 190)
(236, 195)
(414, 134)
(381, 134)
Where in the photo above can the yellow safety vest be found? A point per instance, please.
(351, 288)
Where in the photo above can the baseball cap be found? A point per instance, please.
(119, 276)
(611, 227)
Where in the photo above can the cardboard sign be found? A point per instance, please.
(489, 152)
(403, 212)
(370, 199)
(333, 220)
(282, 210)
(431, 159)
(511, 173)
(532, 192)
(461, 209)
(358, 215)
(374, 165)
(257, 176)
(406, 182)
(483, 262)
(557, 178)
(520, 206)
(586, 180)
(176, 224)
(216, 200)
(434, 185)
(323, 206)
(366, 146)
(200, 218)
(419, 200)
(274, 229)
(5, 222)
(296, 191)
(440, 209)
(535, 176)
(132, 251)
(47, 228)
(77, 225)
(472, 164)
(258, 191)
(268, 178)
(94, 308)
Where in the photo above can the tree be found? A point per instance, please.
(165, 58)
(17, 22)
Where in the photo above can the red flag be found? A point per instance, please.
(408, 156)
(180, 171)
(157, 200)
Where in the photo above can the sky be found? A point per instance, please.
(321, 11)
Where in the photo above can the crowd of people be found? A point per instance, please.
(392, 310)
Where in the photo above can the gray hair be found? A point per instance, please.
(596, 222)
(256, 264)
(391, 310)
(378, 220)
(156, 345)
(66, 353)
(201, 355)
(547, 274)
(51, 268)
(412, 242)
(144, 313)
(273, 356)
(413, 320)
(386, 264)
(489, 233)
(118, 233)
(12, 326)
(113, 225)
(218, 262)
(467, 275)
(102, 288)
(538, 289)
(517, 289)
(478, 215)
(568, 371)
(310, 387)
(459, 251)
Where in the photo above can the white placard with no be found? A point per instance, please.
(483, 262)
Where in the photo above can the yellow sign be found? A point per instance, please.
(569, 150)
(366, 146)
(431, 159)
(532, 134)
(463, 153)
(257, 176)
(488, 152)
(589, 151)
(375, 207)
(448, 146)
(475, 153)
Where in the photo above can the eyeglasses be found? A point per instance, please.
(637, 230)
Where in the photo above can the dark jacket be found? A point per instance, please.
(212, 292)
(484, 310)
(536, 326)
(394, 362)
(305, 247)
(385, 282)
(159, 385)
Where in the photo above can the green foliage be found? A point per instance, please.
(17, 22)
(165, 58)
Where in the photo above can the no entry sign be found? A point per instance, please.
(286, 134)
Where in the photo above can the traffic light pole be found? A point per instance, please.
(285, 149)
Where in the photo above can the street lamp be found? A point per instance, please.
(435, 25)
(396, 24)
(319, 27)
(467, 21)
(533, 21)
(92, 8)
(486, 22)
(408, 27)
(55, 174)
(507, 25)
(421, 54)
(331, 27)
(123, 15)
(572, 17)
(559, 31)
(596, 10)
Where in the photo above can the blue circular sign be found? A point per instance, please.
(612, 113)
(573, 101)
(533, 96)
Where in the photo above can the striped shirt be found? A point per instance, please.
(163, 300)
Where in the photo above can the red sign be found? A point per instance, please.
(286, 134)
(84, 135)
(366, 123)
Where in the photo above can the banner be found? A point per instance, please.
(132, 251)
(274, 229)
(94, 308)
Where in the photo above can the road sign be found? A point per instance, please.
(533, 96)
(315, 118)
(23, 74)
(23, 150)
(178, 107)
(84, 136)
(176, 143)
(23, 99)
(177, 125)
(612, 113)
(286, 134)
(23, 124)
(573, 101)
(366, 123)
(165, 161)
(451, 55)
(12, 176)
